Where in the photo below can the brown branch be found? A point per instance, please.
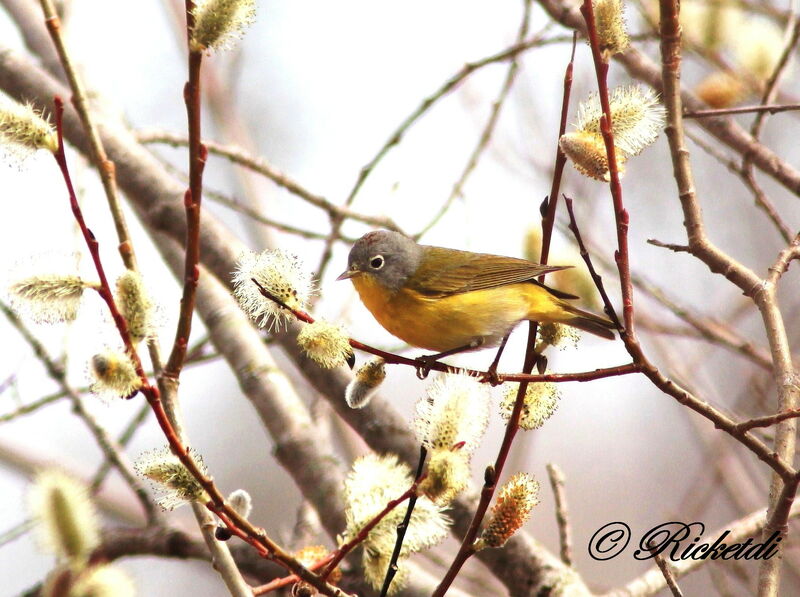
(192, 200)
(110, 449)
(263, 167)
(484, 376)
(762, 293)
(675, 248)
(769, 108)
(556, 476)
(725, 130)
(669, 577)
(768, 420)
(486, 135)
(748, 177)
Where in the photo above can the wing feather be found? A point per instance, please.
(445, 272)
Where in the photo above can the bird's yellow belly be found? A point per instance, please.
(455, 321)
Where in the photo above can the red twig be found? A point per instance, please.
(467, 548)
(279, 583)
(561, 160)
(620, 213)
(191, 200)
(396, 359)
(598, 280)
(238, 525)
(94, 248)
(362, 534)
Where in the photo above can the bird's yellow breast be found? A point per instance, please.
(454, 321)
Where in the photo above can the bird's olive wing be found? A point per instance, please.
(443, 272)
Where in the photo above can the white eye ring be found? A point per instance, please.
(377, 262)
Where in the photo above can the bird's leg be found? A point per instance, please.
(425, 361)
(491, 372)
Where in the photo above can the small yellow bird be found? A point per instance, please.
(451, 301)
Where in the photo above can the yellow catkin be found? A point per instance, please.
(23, 126)
(540, 402)
(282, 274)
(219, 23)
(114, 375)
(68, 522)
(327, 344)
(611, 31)
(721, 90)
(103, 581)
(135, 305)
(448, 475)
(365, 383)
(171, 478)
(587, 152)
(511, 510)
(48, 298)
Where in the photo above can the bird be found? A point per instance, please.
(449, 301)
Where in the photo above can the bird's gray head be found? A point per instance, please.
(388, 256)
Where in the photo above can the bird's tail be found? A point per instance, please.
(588, 322)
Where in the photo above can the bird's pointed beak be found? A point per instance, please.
(348, 274)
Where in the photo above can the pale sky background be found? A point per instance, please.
(321, 86)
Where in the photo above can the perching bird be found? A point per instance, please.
(450, 301)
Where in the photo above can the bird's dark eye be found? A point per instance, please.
(376, 262)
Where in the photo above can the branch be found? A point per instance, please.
(556, 476)
(486, 135)
(725, 130)
(262, 166)
(769, 108)
(110, 449)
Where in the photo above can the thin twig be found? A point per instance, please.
(391, 570)
(33, 406)
(395, 137)
(769, 108)
(669, 577)
(598, 280)
(747, 176)
(217, 504)
(262, 166)
(486, 135)
(484, 376)
(768, 420)
(110, 449)
(192, 202)
(105, 167)
(771, 86)
(556, 476)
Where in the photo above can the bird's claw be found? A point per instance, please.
(491, 377)
(424, 364)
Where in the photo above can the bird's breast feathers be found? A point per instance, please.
(448, 322)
